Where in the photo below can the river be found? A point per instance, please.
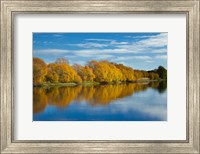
(118, 102)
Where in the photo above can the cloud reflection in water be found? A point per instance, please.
(122, 102)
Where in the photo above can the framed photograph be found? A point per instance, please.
(99, 76)
(97, 79)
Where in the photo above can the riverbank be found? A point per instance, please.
(47, 84)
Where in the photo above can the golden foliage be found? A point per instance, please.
(52, 76)
(128, 72)
(85, 72)
(39, 70)
(153, 76)
(105, 71)
(98, 71)
(65, 72)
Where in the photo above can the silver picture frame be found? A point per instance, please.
(9, 8)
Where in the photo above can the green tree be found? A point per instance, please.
(162, 72)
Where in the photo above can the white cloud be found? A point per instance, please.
(141, 57)
(92, 52)
(155, 41)
(82, 52)
(96, 52)
(118, 43)
(138, 37)
(103, 40)
(154, 44)
(79, 52)
(102, 57)
(91, 45)
(163, 50)
(49, 51)
(70, 56)
(57, 35)
(149, 61)
(128, 36)
(99, 45)
(132, 57)
(161, 57)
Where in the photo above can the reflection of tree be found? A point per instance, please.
(127, 90)
(87, 93)
(162, 86)
(62, 96)
(154, 85)
(140, 87)
(95, 95)
(106, 93)
(40, 100)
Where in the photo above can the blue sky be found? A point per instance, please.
(145, 51)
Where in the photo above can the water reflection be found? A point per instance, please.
(90, 99)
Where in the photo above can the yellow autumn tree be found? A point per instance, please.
(65, 73)
(99, 71)
(84, 72)
(39, 70)
(105, 71)
(128, 72)
(114, 74)
(153, 76)
(51, 76)
(138, 74)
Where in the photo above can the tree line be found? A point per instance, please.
(95, 71)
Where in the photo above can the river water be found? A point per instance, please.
(119, 102)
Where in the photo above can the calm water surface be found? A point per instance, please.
(120, 102)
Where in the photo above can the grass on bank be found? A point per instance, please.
(48, 84)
